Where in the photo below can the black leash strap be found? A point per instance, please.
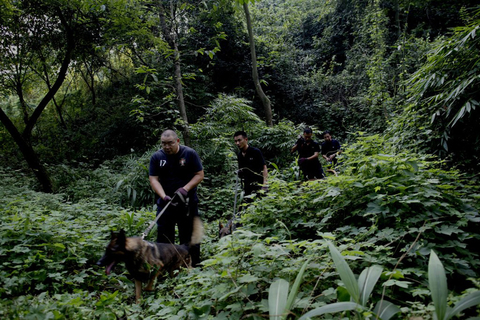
(235, 201)
(147, 231)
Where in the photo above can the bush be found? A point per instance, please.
(389, 198)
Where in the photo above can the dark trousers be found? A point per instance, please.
(182, 216)
(250, 187)
(312, 169)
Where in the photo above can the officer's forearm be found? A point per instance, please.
(315, 155)
(195, 181)
(156, 186)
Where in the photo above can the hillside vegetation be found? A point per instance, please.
(88, 86)
(385, 208)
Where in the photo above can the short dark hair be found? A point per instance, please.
(326, 132)
(169, 133)
(307, 130)
(240, 133)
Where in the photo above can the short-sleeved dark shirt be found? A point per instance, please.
(251, 166)
(176, 170)
(311, 168)
(307, 150)
(330, 146)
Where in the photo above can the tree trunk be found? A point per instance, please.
(256, 80)
(170, 35)
(56, 85)
(28, 153)
(23, 140)
(180, 98)
(397, 19)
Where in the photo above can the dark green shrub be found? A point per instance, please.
(389, 197)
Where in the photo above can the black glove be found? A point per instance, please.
(165, 200)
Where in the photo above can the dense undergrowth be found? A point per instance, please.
(384, 208)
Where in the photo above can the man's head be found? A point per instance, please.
(307, 134)
(241, 140)
(170, 142)
(327, 136)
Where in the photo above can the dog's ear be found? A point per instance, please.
(121, 238)
(220, 225)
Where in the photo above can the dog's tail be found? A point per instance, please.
(197, 232)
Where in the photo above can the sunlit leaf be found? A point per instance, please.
(437, 281)
(296, 285)
(345, 273)
(471, 300)
(331, 308)
(367, 281)
(277, 298)
(385, 309)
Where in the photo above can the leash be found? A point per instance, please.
(147, 231)
(234, 216)
(235, 201)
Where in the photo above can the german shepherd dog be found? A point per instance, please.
(145, 260)
(225, 230)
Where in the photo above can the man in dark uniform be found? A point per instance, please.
(330, 148)
(175, 172)
(308, 151)
(251, 165)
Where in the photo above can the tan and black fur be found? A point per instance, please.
(228, 228)
(146, 260)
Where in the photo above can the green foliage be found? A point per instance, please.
(83, 182)
(389, 197)
(384, 209)
(134, 185)
(336, 65)
(213, 134)
(437, 281)
(279, 303)
(49, 38)
(359, 291)
(48, 249)
(277, 141)
(451, 75)
(444, 95)
(42, 249)
(438, 285)
(225, 113)
(236, 277)
(277, 298)
(217, 194)
(346, 274)
(212, 138)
